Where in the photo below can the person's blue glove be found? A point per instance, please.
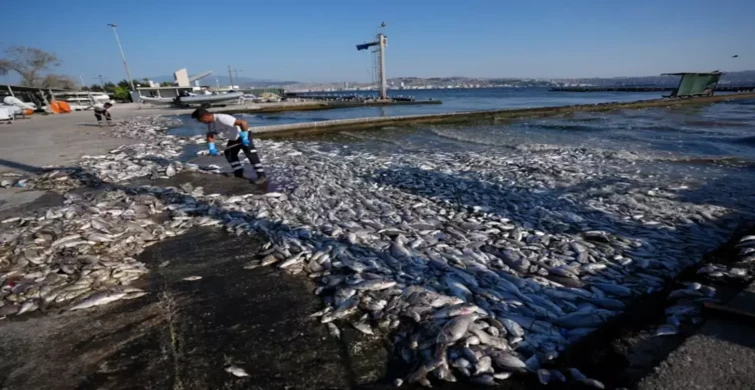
(244, 138)
(213, 150)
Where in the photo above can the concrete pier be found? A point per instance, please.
(319, 105)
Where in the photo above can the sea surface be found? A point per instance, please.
(718, 131)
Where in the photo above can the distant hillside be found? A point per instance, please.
(223, 81)
(744, 78)
(734, 78)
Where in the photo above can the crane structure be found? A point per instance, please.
(199, 76)
(381, 41)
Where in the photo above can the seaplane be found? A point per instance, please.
(192, 99)
(197, 97)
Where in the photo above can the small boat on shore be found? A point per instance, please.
(157, 100)
(211, 99)
(182, 101)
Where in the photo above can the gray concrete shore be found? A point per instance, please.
(721, 355)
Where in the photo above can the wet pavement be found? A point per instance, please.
(184, 333)
(720, 356)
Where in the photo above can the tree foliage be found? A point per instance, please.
(166, 84)
(58, 82)
(30, 63)
(121, 93)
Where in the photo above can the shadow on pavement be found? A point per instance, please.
(21, 166)
(184, 333)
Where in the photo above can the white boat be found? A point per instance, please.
(7, 114)
(194, 100)
(211, 99)
(82, 98)
(157, 100)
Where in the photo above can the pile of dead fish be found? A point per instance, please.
(81, 254)
(78, 255)
(156, 159)
(478, 265)
(145, 128)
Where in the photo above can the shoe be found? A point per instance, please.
(259, 180)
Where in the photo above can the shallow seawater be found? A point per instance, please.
(698, 141)
(712, 146)
(720, 133)
(453, 100)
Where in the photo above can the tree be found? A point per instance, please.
(29, 63)
(121, 93)
(124, 83)
(166, 84)
(96, 88)
(109, 87)
(59, 82)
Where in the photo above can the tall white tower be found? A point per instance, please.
(381, 41)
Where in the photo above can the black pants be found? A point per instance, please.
(99, 116)
(232, 155)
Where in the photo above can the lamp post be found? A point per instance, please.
(125, 64)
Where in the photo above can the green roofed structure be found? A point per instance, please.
(695, 84)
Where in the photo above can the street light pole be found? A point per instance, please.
(125, 65)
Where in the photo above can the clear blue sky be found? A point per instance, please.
(309, 40)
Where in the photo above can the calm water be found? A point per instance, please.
(458, 100)
(455, 100)
(719, 130)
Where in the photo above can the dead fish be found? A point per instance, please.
(544, 376)
(594, 383)
(98, 299)
(508, 361)
(456, 328)
(666, 330)
(236, 371)
(192, 278)
(362, 327)
(28, 306)
(333, 330)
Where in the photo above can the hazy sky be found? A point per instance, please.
(309, 40)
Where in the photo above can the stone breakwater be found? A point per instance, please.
(478, 266)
